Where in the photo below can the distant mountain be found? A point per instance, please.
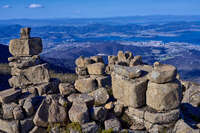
(153, 19)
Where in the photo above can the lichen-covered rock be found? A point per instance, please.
(130, 92)
(162, 73)
(182, 127)
(113, 124)
(66, 89)
(86, 85)
(100, 96)
(164, 97)
(37, 129)
(96, 68)
(9, 95)
(79, 112)
(9, 126)
(8, 110)
(90, 127)
(89, 100)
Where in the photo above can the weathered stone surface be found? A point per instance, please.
(129, 92)
(90, 127)
(137, 60)
(100, 96)
(83, 62)
(96, 68)
(163, 97)
(37, 129)
(89, 100)
(18, 113)
(28, 107)
(9, 126)
(86, 85)
(157, 128)
(66, 89)
(32, 75)
(162, 73)
(128, 72)
(113, 124)
(103, 81)
(9, 95)
(50, 112)
(79, 112)
(81, 71)
(97, 59)
(162, 118)
(118, 109)
(138, 112)
(26, 125)
(98, 113)
(112, 60)
(25, 47)
(8, 110)
(182, 127)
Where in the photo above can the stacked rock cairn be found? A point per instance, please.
(125, 96)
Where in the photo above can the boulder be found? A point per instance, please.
(90, 127)
(97, 59)
(32, 75)
(98, 113)
(26, 47)
(79, 112)
(100, 96)
(182, 127)
(82, 62)
(118, 109)
(50, 111)
(130, 92)
(113, 124)
(103, 81)
(9, 126)
(37, 129)
(18, 113)
(9, 95)
(8, 110)
(112, 60)
(96, 68)
(81, 71)
(26, 125)
(137, 60)
(85, 85)
(66, 89)
(168, 95)
(162, 73)
(28, 107)
(89, 100)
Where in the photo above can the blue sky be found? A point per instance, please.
(10, 9)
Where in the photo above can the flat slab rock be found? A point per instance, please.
(9, 95)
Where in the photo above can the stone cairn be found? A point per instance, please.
(125, 96)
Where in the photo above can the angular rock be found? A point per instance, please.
(113, 124)
(81, 71)
(27, 125)
(97, 59)
(8, 110)
(103, 81)
(112, 60)
(9, 126)
(89, 100)
(66, 89)
(18, 113)
(62, 101)
(162, 73)
(32, 75)
(90, 127)
(79, 112)
(9, 95)
(85, 85)
(25, 47)
(98, 113)
(50, 112)
(167, 95)
(28, 107)
(137, 60)
(118, 109)
(37, 129)
(128, 72)
(100, 96)
(130, 92)
(182, 127)
(96, 69)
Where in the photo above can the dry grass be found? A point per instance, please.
(4, 69)
(64, 77)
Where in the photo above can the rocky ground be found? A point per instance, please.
(123, 96)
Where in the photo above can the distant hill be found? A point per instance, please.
(4, 53)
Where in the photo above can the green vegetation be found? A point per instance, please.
(75, 126)
(63, 77)
(108, 131)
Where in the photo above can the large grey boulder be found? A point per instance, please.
(66, 89)
(96, 68)
(113, 124)
(79, 112)
(18, 113)
(162, 73)
(100, 96)
(89, 100)
(9, 95)
(130, 92)
(9, 126)
(182, 127)
(32, 75)
(8, 110)
(164, 97)
(50, 111)
(85, 85)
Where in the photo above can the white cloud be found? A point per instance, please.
(35, 6)
(6, 6)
